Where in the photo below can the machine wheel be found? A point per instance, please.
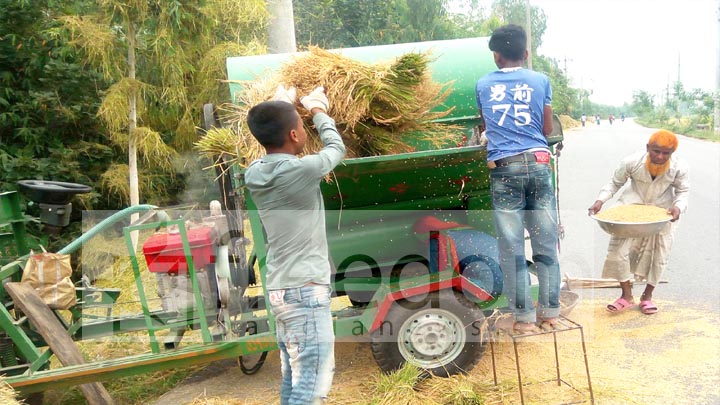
(52, 192)
(442, 334)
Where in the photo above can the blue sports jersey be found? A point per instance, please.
(512, 102)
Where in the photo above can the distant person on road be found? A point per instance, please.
(583, 118)
(656, 178)
(286, 190)
(622, 117)
(516, 106)
(611, 118)
(597, 119)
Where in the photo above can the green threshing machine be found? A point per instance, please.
(400, 290)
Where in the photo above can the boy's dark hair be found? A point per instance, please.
(271, 121)
(510, 41)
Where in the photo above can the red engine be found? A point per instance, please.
(164, 251)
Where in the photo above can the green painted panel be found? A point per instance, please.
(373, 182)
(372, 203)
(9, 207)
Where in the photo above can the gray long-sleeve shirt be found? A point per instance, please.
(286, 191)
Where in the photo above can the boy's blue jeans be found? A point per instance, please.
(523, 198)
(306, 342)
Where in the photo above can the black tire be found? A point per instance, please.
(251, 364)
(442, 334)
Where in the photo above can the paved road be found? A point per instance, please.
(587, 162)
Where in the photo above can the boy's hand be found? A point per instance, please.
(675, 212)
(316, 99)
(286, 95)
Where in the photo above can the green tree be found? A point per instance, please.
(351, 23)
(513, 12)
(702, 105)
(164, 60)
(565, 98)
(48, 128)
(643, 103)
(472, 23)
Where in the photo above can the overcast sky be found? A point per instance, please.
(615, 47)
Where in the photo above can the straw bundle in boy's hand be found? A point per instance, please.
(375, 106)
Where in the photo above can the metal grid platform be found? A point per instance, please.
(564, 325)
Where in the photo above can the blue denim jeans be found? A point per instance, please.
(523, 198)
(306, 341)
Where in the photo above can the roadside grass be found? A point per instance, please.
(455, 390)
(397, 388)
(683, 126)
(708, 135)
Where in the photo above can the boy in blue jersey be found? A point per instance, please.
(515, 106)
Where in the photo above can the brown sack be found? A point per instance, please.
(58, 296)
(46, 268)
(49, 274)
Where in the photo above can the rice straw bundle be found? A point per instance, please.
(375, 106)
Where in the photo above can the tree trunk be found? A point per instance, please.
(281, 30)
(132, 125)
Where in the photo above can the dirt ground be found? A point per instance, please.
(670, 357)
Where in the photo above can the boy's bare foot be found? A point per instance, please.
(524, 327)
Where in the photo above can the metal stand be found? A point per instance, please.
(564, 325)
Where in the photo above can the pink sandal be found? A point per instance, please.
(648, 307)
(620, 305)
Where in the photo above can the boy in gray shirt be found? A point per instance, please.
(286, 191)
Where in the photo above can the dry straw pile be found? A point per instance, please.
(376, 106)
(7, 395)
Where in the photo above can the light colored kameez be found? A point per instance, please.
(644, 258)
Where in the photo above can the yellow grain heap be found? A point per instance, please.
(633, 213)
(376, 106)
